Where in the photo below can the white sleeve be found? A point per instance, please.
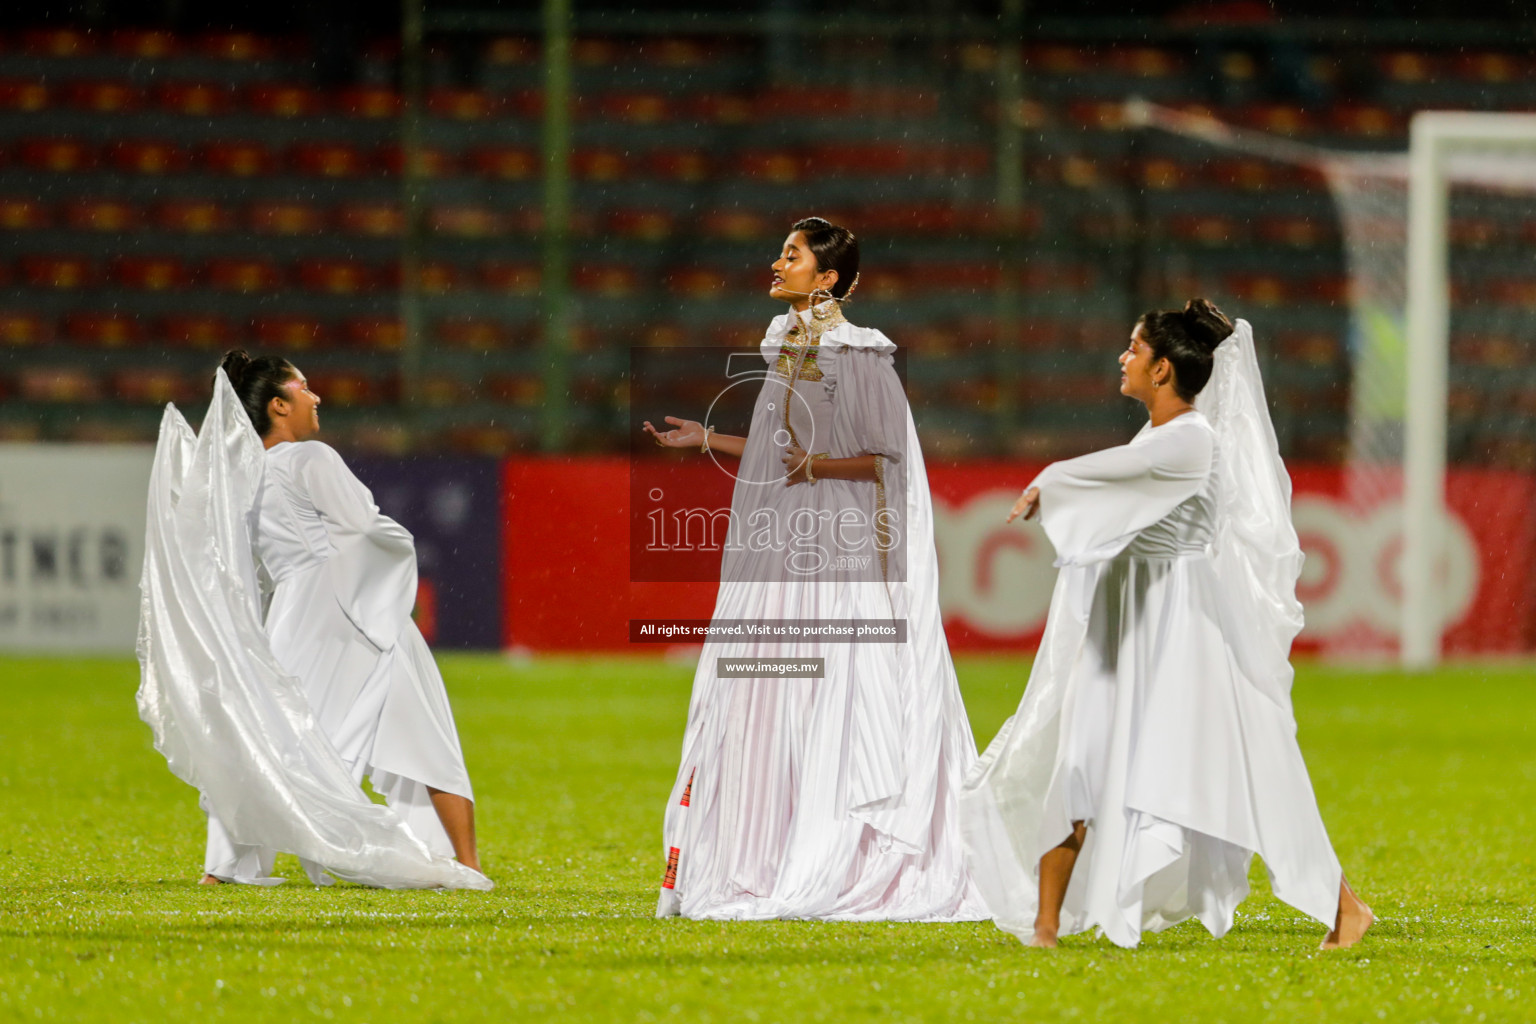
(374, 564)
(1094, 505)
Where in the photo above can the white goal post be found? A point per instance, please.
(1436, 140)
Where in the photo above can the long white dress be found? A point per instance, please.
(830, 798)
(1158, 708)
(276, 719)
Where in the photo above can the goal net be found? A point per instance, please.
(1429, 546)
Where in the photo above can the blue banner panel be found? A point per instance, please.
(453, 506)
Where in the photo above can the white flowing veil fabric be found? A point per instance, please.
(228, 719)
(1255, 552)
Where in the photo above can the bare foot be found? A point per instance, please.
(210, 880)
(471, 862)
(1044, 938)
(1353, 920)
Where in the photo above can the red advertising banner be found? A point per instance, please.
(567, 558)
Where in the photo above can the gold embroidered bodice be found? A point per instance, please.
(806, 337)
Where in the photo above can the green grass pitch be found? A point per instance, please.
(1428, 785)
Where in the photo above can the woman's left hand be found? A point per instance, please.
(795, 461)
(1027, 505)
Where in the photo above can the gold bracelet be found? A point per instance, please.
(810, 460)
(704, 448)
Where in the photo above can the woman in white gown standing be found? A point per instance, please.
(1154, 751)
(343, 685)
(833, 797)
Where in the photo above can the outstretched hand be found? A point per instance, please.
(685, 433)
(795, 460)
(1027, 505)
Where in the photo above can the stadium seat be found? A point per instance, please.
(242, 159)
(1492, 68)
(473, 334)
(197, 331)
(435, 162)
(69, 384)
(1515, 291)
(335, 277)
(281, 100)
(23, 215)
(1297, 232)
(465, 221)
(740, 225)
(863, 159)
(599, 164)
(139, 44)
(718, 108)
(327, 159)
(1409, 67)
(1308, 348)
(463, 104)
(1206, 229)
(23, 330)
(1476, 232)
(151, 273)
(678, 52)
(1164, 175)
(63, 273)
(507, 163)
(290, 333)
(374, 220)
(25, 97)
(610, 280)
(1259, 289)
(1146, 62)
(780, 166)
(1104, 115)
(349, 389)
(106, 215)
(1249, 174)
(147, 157)
(154, 386)
(375, 334)
(194, 99)
(511, 278)
(1367, 121)
(104, 330)
(247, 276)
(1277, 119)
(645, 225)
(700, 282)
(483, 439)
(508, 50)
(237, 46)
(103, 97)
(524, 389)
(369, 102)
(193, 216)
(441, 390)
(435, 277)
(635, 108)
(672, 164)
(63, 156)
(285, 218)
(58, 42)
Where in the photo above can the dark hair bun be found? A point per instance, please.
(256, 383)
(1207, 325)
(236, 363)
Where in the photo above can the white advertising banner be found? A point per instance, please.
(71, 545)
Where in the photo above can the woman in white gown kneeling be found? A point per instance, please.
(831, 797)
(1154, 751)
(275, 683)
